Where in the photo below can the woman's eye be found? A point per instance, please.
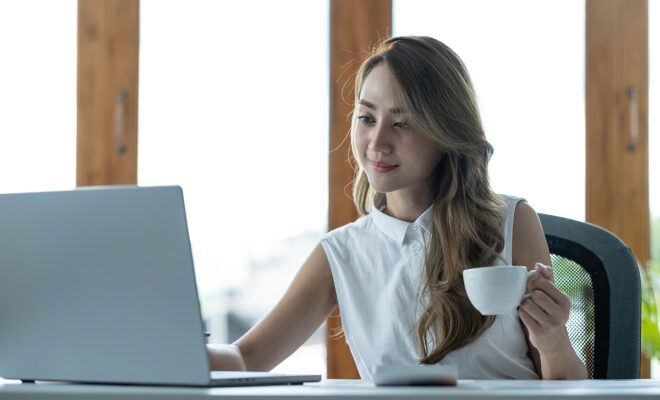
(401, 125)
(366, 120)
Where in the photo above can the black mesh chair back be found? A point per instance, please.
(600, 275)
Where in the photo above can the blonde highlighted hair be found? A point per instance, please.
(467, 215)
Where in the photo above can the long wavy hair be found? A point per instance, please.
(467, 215)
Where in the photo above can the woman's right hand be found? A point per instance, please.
(225, 357)
(305, 306)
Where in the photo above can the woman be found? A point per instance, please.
(428, 213)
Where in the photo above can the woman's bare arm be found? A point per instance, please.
(545, 313)
(306, 304)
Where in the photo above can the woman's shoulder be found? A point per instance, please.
(510, 204)
(359, 227)
(509, 200)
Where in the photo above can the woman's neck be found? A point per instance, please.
(407, 207)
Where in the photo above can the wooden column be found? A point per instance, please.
(617, 169)
(108, 35)
(355, 25)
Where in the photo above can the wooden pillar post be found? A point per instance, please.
(108, 36)
(617, 159)
(355, 25)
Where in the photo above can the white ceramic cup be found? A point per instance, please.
(496, 290)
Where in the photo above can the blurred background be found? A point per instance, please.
(234, 100)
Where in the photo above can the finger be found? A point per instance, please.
(535, 312)
(546, 271)
(555, 314)
(551, 290)
(532, 279)
(529, 322)
(543, 301)
(537, 282)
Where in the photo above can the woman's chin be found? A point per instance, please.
(381, 188)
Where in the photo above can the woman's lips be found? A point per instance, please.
(382, 167)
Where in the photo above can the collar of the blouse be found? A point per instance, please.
(394, 228)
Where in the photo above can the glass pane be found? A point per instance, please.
(38, 40)
(654, 127)
(233, 108)
(529, 78)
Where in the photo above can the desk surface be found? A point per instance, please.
(348, 389)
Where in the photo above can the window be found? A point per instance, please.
(233, 108)
(529, 79)
(38, 102)
(654, 127)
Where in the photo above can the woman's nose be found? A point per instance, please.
(380, 139)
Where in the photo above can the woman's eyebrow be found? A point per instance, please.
(371, 105)
(367, 104)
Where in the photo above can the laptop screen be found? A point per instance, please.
(98, 285)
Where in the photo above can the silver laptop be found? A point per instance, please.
(98, 285)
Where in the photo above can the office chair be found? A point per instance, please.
(600, 275)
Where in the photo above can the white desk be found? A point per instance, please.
(345, 390)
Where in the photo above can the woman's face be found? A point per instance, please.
(394, 156)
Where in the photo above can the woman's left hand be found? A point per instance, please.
(545, 312)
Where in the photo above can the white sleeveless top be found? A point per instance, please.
(376, 265)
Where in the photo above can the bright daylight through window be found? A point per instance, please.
(38, 105)
(235, 113)
(530, 88)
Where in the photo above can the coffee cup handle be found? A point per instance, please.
(529, 275)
